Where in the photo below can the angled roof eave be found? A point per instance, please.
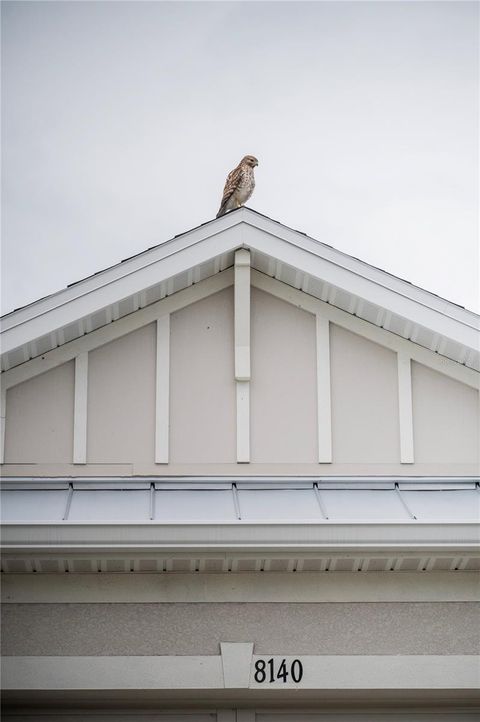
(266, 238)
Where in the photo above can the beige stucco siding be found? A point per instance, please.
(445, 418)
(365, 423)
(121, 399)
(442, 628)
(283, 385)
(39, 426)
(202, 414)
(202, 382)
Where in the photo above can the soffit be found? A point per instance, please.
(276, 251)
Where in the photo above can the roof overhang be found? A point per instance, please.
(276, 251)
(315, 526)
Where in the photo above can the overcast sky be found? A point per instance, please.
(122, 119)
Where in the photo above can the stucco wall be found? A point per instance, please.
(283, 397)
(365, 424)
(39, 426)
(283, 386)
(449, 628)
(445, 418)
(121, 399)
(202, 384)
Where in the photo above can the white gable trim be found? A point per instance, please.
(367, 330)
(453, 330)
(160, 313)
(119, 282)
(116, 329)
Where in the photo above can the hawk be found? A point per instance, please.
(239, 185)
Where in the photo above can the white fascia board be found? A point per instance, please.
(242, 228)
(359, 267)
(113, 286)
(44, 537)
(336, 673)
(370, 289)
(121, 270)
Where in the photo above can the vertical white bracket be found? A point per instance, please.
(80, 409)
(3, 419)
(242, 352)
(242, 315)
(162, 399)
(324, 404)
(405, 408)
(243, 422)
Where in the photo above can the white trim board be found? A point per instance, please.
(280, 587)
(339, 672)
(293, 538)
(324, 406)
(162, 391)
(80, 409)
(116, 329)
(265, 237)
(364, 328)
(217, 283)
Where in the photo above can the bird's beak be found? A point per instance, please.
(256, 163)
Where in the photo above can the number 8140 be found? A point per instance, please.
(266, 671)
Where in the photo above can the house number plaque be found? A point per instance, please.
(277, 670)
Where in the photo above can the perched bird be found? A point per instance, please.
(239, 185)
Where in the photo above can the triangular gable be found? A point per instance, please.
(276, 251)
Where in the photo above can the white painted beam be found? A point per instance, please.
(405, 410)
(324, 407)
(242, 315)
(80, 409)
(162, 400)
(242, 352)
(243, 422)
(3, 420)
(181, 672)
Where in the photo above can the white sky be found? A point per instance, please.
(120, 121)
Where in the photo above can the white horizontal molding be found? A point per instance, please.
(367, 330)
(280, 587)
(187, 537)
(206, 672)
(116, 329)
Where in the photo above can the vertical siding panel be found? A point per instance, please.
(80, 409)
(242, 352)
(3, 419)
(243, 422)
(162, 404)
(405, 408)
(324, 404)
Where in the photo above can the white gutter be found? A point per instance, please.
(326, 535)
